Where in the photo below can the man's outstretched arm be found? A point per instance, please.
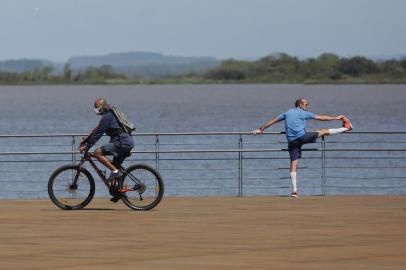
(261, 129)
(328, 118)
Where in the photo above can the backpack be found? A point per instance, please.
(122, 120)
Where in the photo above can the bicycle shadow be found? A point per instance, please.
(99, 209)
(85, 209)
(113, 209)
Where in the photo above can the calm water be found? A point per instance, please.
(68, 109)
(187, 108)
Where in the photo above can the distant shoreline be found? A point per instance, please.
(180, 82)
(272, 69)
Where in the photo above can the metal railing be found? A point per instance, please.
(223, 163)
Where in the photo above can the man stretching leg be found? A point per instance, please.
(295, 125)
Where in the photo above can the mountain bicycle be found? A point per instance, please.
(72, 187)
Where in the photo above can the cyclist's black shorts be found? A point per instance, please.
(119, 153)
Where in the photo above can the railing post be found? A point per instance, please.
(157, 152)
(323, 166)
(240, 182)
(73, 150)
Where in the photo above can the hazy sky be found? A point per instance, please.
(58, 29)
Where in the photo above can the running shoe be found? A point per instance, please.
(347, 123)
(295, 194)
(114, 175)
(116, 198)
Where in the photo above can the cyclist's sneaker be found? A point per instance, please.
(347, 123)
(295, 194)
(113, 190)
(114, 175)
(116, 198)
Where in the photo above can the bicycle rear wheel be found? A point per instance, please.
(70, 188)
(142, 187)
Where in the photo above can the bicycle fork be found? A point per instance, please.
(74, 184)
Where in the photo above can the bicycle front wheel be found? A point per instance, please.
(71, 187)
(142, 187)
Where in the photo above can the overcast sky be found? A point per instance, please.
(58, 29)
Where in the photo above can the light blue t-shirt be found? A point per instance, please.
(295, 122)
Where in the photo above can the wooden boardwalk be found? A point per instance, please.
(333, 232)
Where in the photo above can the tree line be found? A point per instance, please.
(280, 68)
(45, 75)
(325, 68)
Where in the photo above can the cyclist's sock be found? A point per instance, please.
(293, 178)
(333, 131)
(116, 171)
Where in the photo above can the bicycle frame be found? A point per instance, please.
(88, 157)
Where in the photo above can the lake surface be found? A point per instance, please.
(171, 108)
(210, 108)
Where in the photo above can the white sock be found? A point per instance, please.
(333, 131)
(116, 171)
(293, 177)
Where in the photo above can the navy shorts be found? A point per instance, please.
(295, 147)
(119, 153)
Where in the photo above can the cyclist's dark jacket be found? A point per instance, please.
(108, 124)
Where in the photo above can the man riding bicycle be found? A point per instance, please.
(120, 144)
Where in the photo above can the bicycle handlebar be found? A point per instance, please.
(86, 153)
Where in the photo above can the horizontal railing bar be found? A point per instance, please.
(200, 179)
(232, 143)
(138, 160)
(185, 134)
(283, 177)
(306, 186)
(362, 149)
(275, 158)
(368, 178)
(198, 169)
(24, 191)
(217, 159)
(200, 143)
(361, 187)
(142, 134)
(222, 151)
(364, 158)
(23, 171)
(40, 135)
(261, 143)
(364, 142)
(25, 181)
(366, 167)
(280, 168)
(38, 145)
(194, 187)
(30, 161)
